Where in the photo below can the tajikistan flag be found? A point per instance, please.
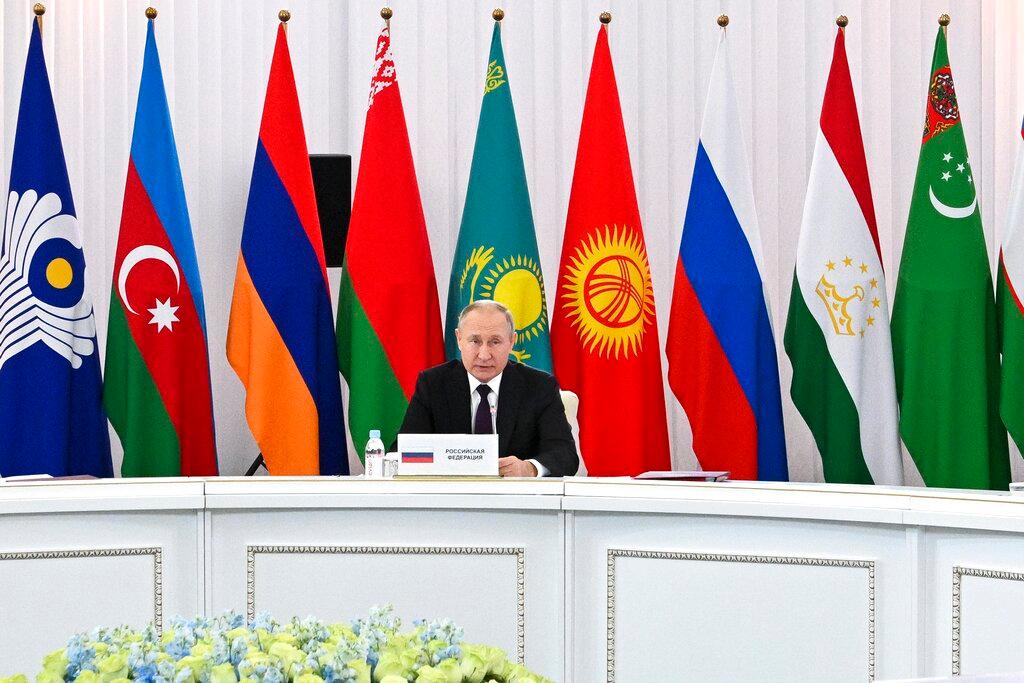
(1009, 292)
(837, 334)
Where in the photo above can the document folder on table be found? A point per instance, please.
(683, 475)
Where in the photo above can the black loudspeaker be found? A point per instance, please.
(332, 184)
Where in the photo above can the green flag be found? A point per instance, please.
(496, 257)
(944, 318)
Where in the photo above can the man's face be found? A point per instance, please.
(485, 343)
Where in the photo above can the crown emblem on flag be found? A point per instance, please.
(836, 305)
(845, 312)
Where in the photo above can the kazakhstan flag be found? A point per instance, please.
(496, 257)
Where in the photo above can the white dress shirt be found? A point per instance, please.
(474, 402)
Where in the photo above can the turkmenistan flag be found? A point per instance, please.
(389, 322)
(944, 317)
(1009, 297)
(496, 257)
(837, 334)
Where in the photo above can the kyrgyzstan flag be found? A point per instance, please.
(604, 332)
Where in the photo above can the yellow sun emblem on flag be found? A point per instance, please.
(516, 281)
(608, 292)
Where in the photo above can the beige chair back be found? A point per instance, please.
(572, 405)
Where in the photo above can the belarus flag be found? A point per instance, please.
(837, 334)
(1009, 291)
(722, 363)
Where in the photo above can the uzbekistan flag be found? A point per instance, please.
(52, 419)
(157, 385)
(837, 333)
(281, 335)
(722, 364)
(1009, 307)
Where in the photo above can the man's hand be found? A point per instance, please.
(512, 466)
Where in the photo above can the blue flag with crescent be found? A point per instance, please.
(51, 415)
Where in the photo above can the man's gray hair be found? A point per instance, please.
(489, 305)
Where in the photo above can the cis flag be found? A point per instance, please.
(722, 364)
(157, 385)
(604, 331)
(1009, 293)
(51, 420)
(280, 334)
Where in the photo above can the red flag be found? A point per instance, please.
(604, 332)
(389, 321)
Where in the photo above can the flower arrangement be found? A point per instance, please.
(227, 650)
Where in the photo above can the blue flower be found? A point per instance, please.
(264, 621)
(179, 648)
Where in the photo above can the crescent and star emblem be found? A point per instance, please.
(957, 172)
(163, 312)
(952, 211)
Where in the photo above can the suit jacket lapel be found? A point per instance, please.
(458, 399)
(510, 395)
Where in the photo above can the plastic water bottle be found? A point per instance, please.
(373, 456)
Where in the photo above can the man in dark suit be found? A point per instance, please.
(484, 393)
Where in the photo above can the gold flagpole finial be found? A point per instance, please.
(944, 22)
(283, 16)
(606, 18)
(842, 21)
(723, 20)
(151, 13)
(498, 14)
(386, 13)
(40, 10)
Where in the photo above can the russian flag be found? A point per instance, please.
(281, 339)
(722, 362)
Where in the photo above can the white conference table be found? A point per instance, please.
(584, 579)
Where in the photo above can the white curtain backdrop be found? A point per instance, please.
(216, 54)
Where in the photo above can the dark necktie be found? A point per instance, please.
(482, 419)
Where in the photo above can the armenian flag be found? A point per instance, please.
(281, 334)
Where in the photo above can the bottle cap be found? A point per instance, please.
(374, 433)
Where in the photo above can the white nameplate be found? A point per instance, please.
(448, 454)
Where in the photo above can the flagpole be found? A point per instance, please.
(284, 15)
(944, 23)
(498, 14)
(40, 10)
(386, 14)
(842, 22)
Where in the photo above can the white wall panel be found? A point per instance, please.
(216, 56)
